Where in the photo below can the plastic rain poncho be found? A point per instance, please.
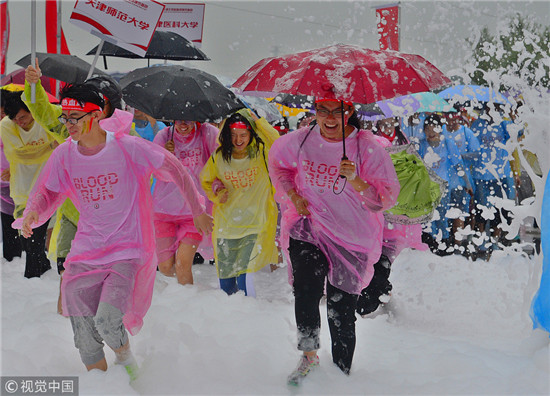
(250, 208)
(397, 237)
(348, 226)
(540, 307)
(192, 151)
(46, 114)
(6, 204)
(111, 191)
(26, 152)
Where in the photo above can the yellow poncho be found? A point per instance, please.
(27, 152)
(250, 208)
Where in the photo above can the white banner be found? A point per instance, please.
(130, 24)
(185, 19)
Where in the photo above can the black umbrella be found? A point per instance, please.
(164, 45)
(66, 68)
(178, 93)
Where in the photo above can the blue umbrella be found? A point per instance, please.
(464, 93)
(423, 102)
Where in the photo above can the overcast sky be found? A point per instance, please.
(239, 33)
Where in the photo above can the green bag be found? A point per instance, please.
(421, 189)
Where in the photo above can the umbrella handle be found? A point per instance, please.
(344, 157)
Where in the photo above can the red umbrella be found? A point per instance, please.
(343, 72)
(18, 77)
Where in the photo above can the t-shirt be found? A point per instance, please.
(106, 191)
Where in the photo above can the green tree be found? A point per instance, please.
(520, 50)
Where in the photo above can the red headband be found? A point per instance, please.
(70, 104)
(280, 129)
(238, 125)
(320, 100)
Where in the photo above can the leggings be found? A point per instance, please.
(11, 242)
(91, 331)
(310, 269)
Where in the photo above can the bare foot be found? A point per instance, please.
(59, 306)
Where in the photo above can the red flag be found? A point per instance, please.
(387, 17)
(51, 30)
(51, 34)
(4, 34)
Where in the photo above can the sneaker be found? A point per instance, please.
(131, 367)
(132, 370)
(304, 367)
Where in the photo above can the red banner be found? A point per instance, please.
(387, 18)
(51, 30)
(51, 35)
(4, 34)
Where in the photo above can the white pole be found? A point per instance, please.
(33, 46)
(99, 47)
(57, 82)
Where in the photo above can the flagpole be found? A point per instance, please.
(57, 82)
(96, 56)
(33, 46)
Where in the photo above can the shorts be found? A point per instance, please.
(169, 235)
(84, 286)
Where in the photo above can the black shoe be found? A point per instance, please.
(198, 259)
(367, 304)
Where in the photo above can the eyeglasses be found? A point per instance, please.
(71, 121)
(335, 113)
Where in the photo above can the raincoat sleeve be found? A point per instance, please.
(44, 112)
(16, 152)
(49, 191)
(172, 170)
(209, 178)
(161, 137)
(210, 138)
(540, 306)
(456, 161)
(377, 170)
(473, 145)
(282, 165)
(264, 130)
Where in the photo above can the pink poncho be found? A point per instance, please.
(111, 191)
(348, 226)
(192, 151)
